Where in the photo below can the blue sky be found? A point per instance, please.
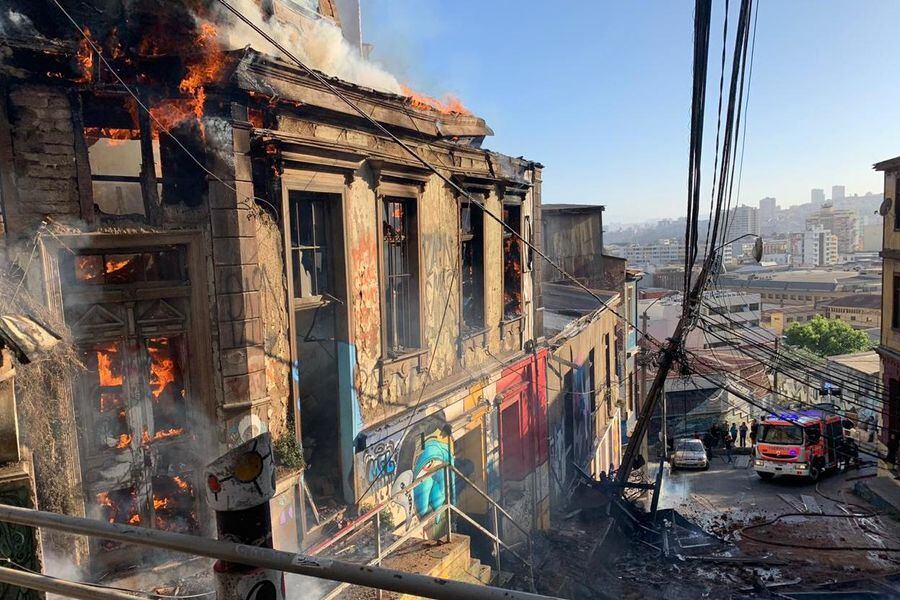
(599, 92)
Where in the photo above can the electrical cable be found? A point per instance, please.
(799, 362)
(147, 110)
(752, 337)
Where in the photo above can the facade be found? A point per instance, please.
(573, 239)
(870, 237)
(803, 286)
(768, 207)
(838, 193)
(889, 349)
(303, 277)
(663, 253)
(743, 221)
(860, 311)
(780, 318)
(728, 313)
(820, 248)
(817, 196)
(843, 223)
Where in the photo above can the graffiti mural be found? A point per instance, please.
(581, 414)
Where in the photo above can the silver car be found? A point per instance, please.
(690, 454)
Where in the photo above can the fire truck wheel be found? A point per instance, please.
(765, 476)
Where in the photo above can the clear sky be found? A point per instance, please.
(599, 91)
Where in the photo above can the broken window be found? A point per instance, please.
(133, 165)
(512, 259)
(310, 253)
(157, 265)
(471, 233)
(400, 247)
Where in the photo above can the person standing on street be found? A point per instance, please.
(753, 433)
(729, 442)
(743, 431)
(733, 432)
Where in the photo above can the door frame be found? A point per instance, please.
(197, 334)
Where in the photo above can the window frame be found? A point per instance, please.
(412, 196)
(332, 207)
(465, 328)
(895, 303)
(518, 202)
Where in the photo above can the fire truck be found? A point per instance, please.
(803, 444)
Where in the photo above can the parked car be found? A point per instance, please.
(689, 453)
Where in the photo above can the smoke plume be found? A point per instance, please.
(318, 43)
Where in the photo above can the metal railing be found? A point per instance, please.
(374, 517)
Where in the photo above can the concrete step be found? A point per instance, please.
(483, 573)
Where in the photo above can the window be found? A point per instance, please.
(607, 350)
(512, 261)
(895, 318)
(310, 252)
(120, 268)
(896, 197)
(471, 235)
(754, 306)
(401, 293)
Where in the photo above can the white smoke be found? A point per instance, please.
(15, 23)
(317, 42)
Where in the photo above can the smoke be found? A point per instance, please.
(317, 42)
(300, 586)
(15, 23)
(60, 566)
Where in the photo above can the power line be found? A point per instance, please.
(800, 362)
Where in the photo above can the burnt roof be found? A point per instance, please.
(572, 208)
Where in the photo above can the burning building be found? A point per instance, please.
(233, 250)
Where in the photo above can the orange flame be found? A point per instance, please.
(135, 519)
(124, 441)
(85, 57)
(181, 483)
(109, 377)
(204, 69)
(159, 503)
(451, 105)
(147, 439)
(162, 366)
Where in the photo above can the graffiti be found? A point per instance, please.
(381, 461)
(581, 413)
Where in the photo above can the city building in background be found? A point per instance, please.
(802, 286)
(817, 196)
(838, 193)
(819, 248)
(843, 223)
(768, 208)
(860, 311)
(779, 318)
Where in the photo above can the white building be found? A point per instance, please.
(743, 220)
(726, 313)
(663, 253)
(767, 208)
(820, 248)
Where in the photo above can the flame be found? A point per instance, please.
(206, 66)
(181, 483)
(124, 441)
(135, 519)
(146, 438)
(85, 57)
(162, 366)
(112, 265)
(451, 105)
(113, 136)
(159, 503)
(87, 268)
(107, 375)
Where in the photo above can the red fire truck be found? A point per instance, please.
(803, 444)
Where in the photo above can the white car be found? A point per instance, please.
(690, 454)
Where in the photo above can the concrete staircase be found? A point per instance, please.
(436, 558)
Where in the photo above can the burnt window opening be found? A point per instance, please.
(895, 312)
(401, 280)
(134, 166)
(167, 389)
(104, 364)
(174, 504)
(512, 260)
(310, 248)
(121, 268)
(118, 506)
(471, 219)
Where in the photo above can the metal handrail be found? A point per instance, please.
(354, 525)
(489, 499)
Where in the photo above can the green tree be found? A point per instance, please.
(826, 337)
